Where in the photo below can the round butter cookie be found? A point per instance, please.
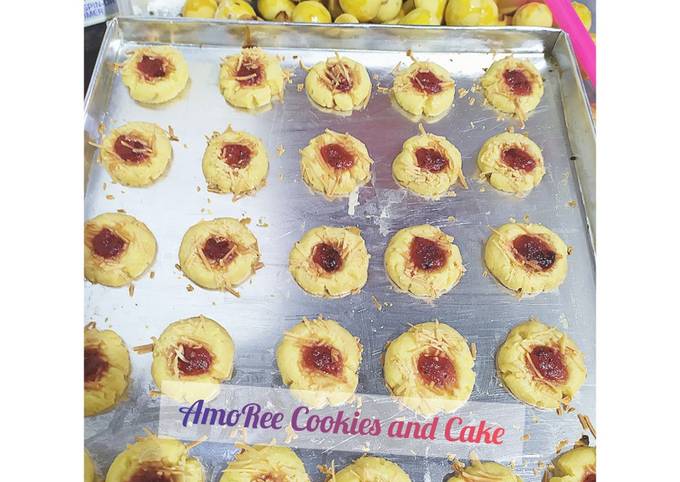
(265, 463)
(107, 369)
(198, 351)
(511, 162)
(526, 258)
(136, 154)
(339, 83)
(335, 164)
(118, 249)
(424, 89)
(370, 469)
(319, 361)
(155, 459)
(428, 165)
(235, 162)
(485, 472)
(219, 254)
(155, 75)
(421, 260)
(576, 465)
(429, 368)
(540, 365)
(251, 79)
(513, 86)
(330, 262)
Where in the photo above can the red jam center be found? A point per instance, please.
(95, 365)
(236, 155)
(436, 368)
(589, 477)
(107, 244)
(131, 150)
(426, 254)
(431, 159)
(196, 360)
(535, 251)
(327, 257)
(340, 81)
(426, 81)
(518, 159)
(216, 249)
(322, 358)
(337, 156)
(150, 473)
(249, 73)
(549, 363)
(152, 67)
(517, 81)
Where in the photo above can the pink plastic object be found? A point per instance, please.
(584, 47)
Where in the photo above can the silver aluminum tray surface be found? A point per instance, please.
(285, 208)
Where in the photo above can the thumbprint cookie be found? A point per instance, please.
(155, 75)
(429, 368)
(424, 89)
(540, 365)
(428, 165)
(330, 262)
(118, 249)
(251, 79)
(511, 162)
(576, 465)
(153, 458)
(194, 355)
(526, 258)
(235, 162)
(107, 369)
(370, 469)
(485, 472)
(319, 361)
(423, 261)
(136, 154)
(339, 83)
(513, 86)
(266, 463)
(335, 164)
(219, 254)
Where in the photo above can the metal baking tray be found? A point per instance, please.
(284, 209)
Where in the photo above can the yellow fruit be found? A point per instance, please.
(281, 10)
(533, 14)
(199, 8)
(235, 9)
(436, 7)
(584, 14)
(363, 10)
(311, 11)
(471, 12)
(346, 18)
(419, 16)
(389, 9)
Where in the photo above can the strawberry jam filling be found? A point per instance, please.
(517, 81)
(216, 249)
(327, 257)
(589, 477)
(195, 360)
(425, 81)
(236, 155)
(336, 156)
(536, 252)
(249, 73)
(336, 75)
(152, 67)
(95, 364)
(322, 358)
(107, 244)
(436, 368)
(549, 363)
(151, 473)
(131, 149)
(426, 254)
(431, 159)
(518, 159)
